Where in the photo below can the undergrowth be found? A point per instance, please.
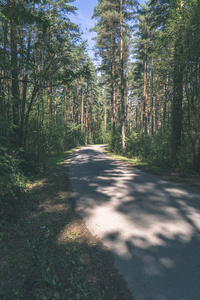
(46, 250)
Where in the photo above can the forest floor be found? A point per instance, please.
(47, 251)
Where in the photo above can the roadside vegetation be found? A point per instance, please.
(142, 100)
(46, 250)
(185, 179)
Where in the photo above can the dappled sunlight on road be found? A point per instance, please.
(151, 226)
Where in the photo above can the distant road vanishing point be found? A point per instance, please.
(151, 226)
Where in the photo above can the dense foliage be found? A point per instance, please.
(161, 86)
(144, 98)
(49, 94)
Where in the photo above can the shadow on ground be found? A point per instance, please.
(151, 226)
(48, 253)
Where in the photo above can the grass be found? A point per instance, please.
(54, 161)
(46, 250)
(185, 179)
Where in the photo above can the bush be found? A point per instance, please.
(12, 183)
(153, 148)
(138, 144)
(161, 148)
(73, 136)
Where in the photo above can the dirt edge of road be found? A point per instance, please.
(189, 181)
(47, 251)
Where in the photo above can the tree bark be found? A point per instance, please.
(122, 80)
(136, 112)
(15, 84)
(113, 89)
(177, 103)
(145, 108)
(3, 112)
(105, 115)
(152, 98)
(127, 86)
(86, 117)
(82, 109)
(25, 79)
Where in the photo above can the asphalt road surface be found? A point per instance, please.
(151, 226)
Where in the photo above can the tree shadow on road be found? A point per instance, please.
(48, 253)
(157, 247)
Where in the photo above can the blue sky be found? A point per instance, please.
(83, 17)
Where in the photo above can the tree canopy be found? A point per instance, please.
(143, 99)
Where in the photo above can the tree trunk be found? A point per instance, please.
(105, 115)
(156, 104)
(86, 117)
(15, 84)
(65, 104)
(152, 99)
(130, 113)
(25, 79)
(90, 119)
(122, 80)
(177, 103)
(82, 109)
(113, 89)
(127, 86)
(145, 108)
(3, 112)
(136, 113)
(165, 103)
(55, 107)
(76, 104)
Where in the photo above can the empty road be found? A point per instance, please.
(151, 226)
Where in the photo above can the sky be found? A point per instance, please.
(83, 17)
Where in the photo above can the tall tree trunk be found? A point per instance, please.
(152, 98)
(86, 117)
(82, 109)
(165, 102)
(72, 106)
(105, 115)
(136, 113)
(3, 112)
(156, 104)
(33, 96)
(49, 88)
(197, 166)
(65, 104)
(55, 107)
(122, 80)
(145, 108)
(141, 115)
(25, 80)
(15, 84)
(90, 119)
(49, 100)
(177, 93)
(76, 98)
(177, 103)
(113, 88)
(127, 85)
(148, 105)
(130, 112)
(65, 112)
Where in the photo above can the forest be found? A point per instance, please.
(142, 98)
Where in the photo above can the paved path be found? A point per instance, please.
(151, 226)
